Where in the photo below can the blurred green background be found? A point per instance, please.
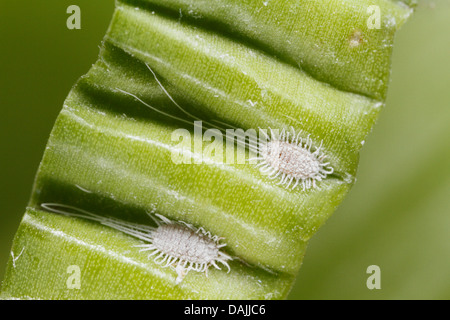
(397, 215)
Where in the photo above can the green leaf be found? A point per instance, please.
(315, 66)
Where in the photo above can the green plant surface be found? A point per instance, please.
(397, 214)
(129, 274)
(110, 154)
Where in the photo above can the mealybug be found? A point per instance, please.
(290, 157)
(287, 156)
(174, 244)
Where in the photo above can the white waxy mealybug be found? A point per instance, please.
(289, 157)
(174, 244)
